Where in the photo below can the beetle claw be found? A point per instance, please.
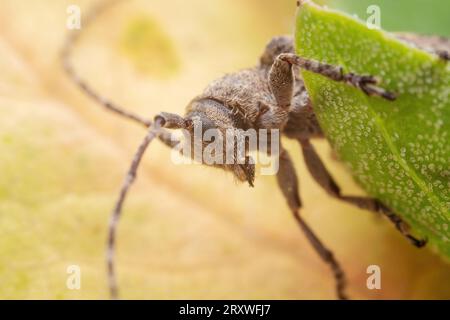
(444, 55)
(419, 243)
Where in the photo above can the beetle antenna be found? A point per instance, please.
(152, 133)
(66, 52)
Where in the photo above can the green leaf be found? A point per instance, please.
(399, 152)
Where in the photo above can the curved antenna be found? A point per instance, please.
(152, 133)
(70, 41)
(155, 130)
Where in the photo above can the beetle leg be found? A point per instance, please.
(364, 82)
(443, 54)
(281, 82)
(323, 178)
(436, 45)
(401, 226)
(288, 183)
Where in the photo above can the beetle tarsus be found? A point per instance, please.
(368, 84)
(444, 55)
(419, 243)
(402, 226)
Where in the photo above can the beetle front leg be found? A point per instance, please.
(366, 83)
(288, 183)
(281, 82)
(323, 178)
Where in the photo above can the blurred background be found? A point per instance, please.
(189, 231)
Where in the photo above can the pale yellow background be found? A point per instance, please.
(187, 231)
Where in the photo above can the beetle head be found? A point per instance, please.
(211, 130)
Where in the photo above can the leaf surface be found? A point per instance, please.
(187, 232)
(399, 152)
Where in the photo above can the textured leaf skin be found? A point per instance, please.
(399, 152)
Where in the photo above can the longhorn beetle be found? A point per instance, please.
(271, 96)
